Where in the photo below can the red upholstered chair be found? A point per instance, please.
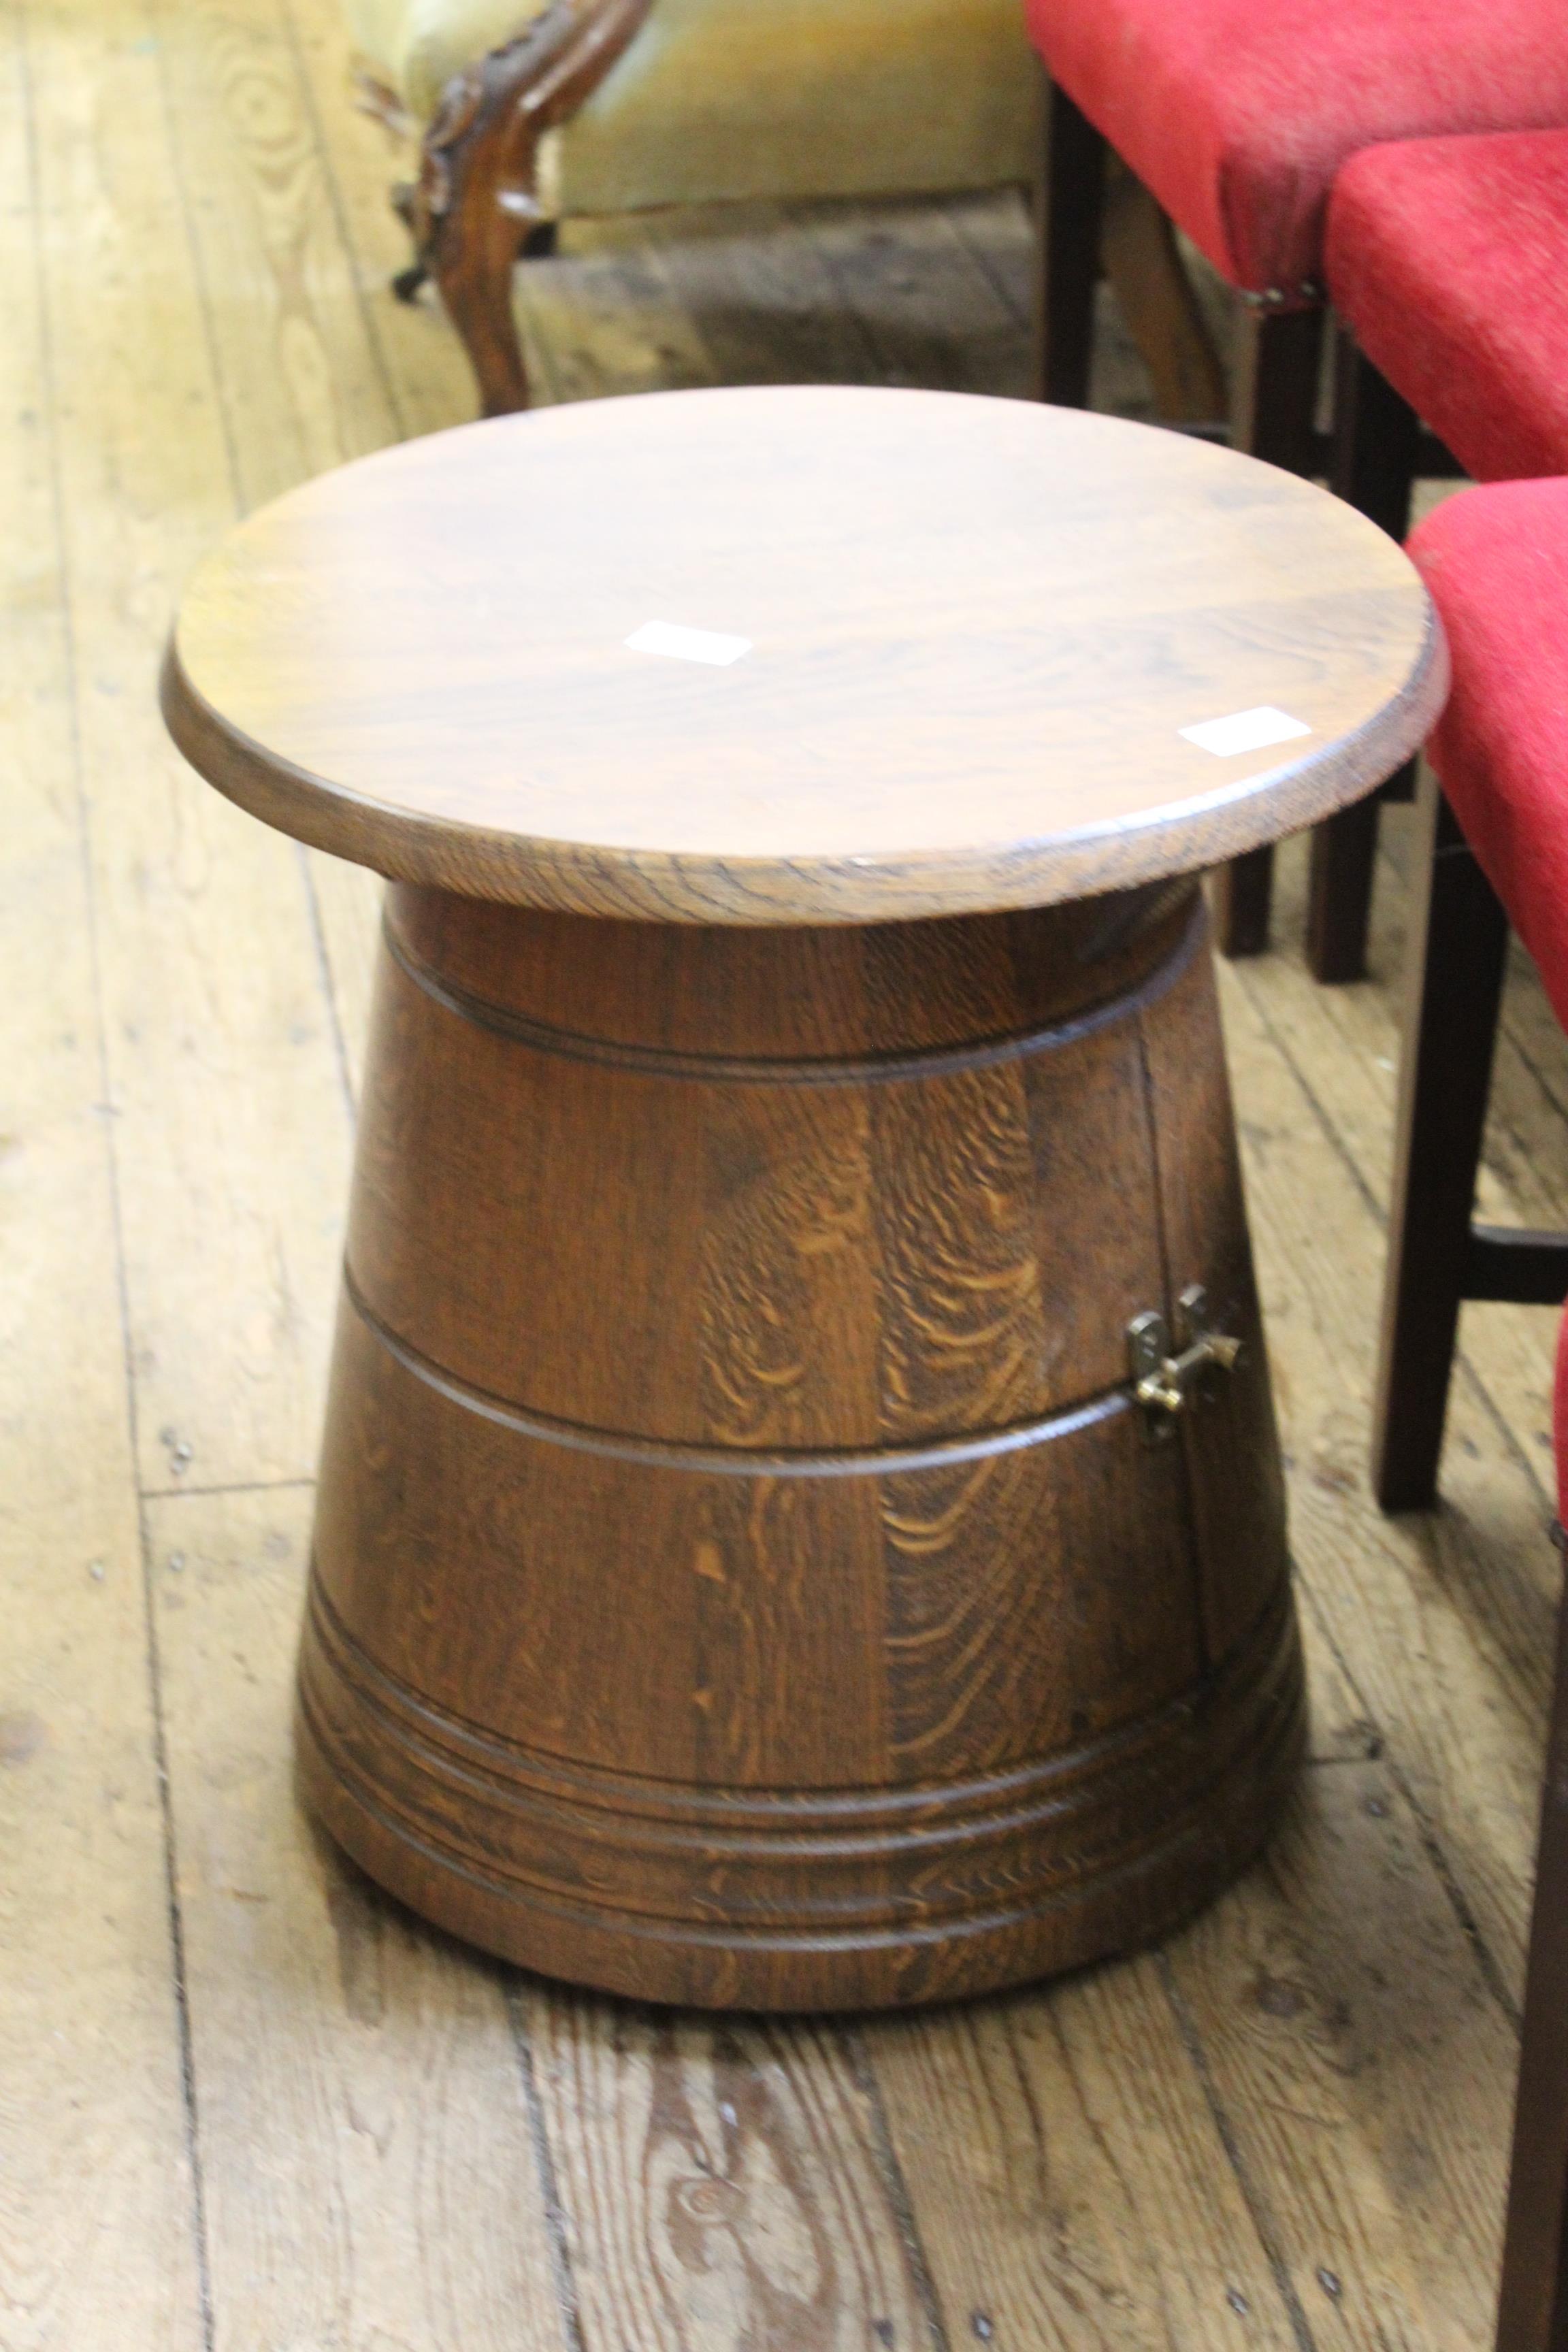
(1447, 262)
(1237, 115)
(1496, 839)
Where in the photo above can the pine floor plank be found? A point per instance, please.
(931, 314)
(1068, 2177)
(602, 318)
(230, 1129)
(722, 2184)
(1339, 1730)
(763, 296)
(1372, 2121)
(97, 2208)
(302, 381)
(301, 385)
(997, 228)
(1067, 2170)
(370, 2169)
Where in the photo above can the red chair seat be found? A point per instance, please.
(1448, 258)
(1238, 114)
(1496, 561)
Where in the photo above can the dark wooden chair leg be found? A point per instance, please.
(1339, 900)
(1274, 395)
(1375, 444)
(1241, 899)
(1070, 197)
(1274, 408)
(1376, 441)
(1532, 2309)
(1459, 941)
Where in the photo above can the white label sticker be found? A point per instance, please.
(1245, 730)
(688, 645)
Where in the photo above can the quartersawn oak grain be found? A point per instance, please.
(744, 1575)
(978, 627)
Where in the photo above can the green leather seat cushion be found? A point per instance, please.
(720, 99)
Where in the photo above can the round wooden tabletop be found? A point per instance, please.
(801, 655)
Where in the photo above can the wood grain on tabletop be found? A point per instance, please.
(420, 661)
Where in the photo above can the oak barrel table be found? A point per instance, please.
(800, 1518)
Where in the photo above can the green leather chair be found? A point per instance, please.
(614, 106)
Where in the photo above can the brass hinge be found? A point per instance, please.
(1170, 1377)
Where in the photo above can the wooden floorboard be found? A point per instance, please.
(370, 2166)
(247, 2102)
(230, 1133)
(721, 2182)
(99, 2225)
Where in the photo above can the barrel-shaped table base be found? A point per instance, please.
(744, 1573)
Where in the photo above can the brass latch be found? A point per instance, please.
(1167, 1378)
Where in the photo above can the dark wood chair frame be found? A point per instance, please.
(1438, 1256)
(1274, 403)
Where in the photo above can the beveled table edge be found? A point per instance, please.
(641, 885)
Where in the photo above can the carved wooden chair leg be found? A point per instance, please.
(541, 244)
(1274, 402)
(472, 263)
(474, 209)
(408, 283)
